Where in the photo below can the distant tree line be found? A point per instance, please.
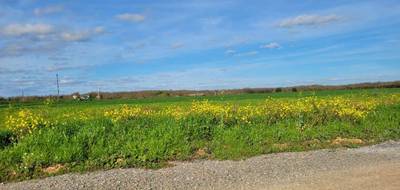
(177, 93)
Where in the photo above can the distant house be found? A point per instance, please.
(85, 97)
(81, 97)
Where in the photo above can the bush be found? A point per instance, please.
(6, 138)
(278, 89)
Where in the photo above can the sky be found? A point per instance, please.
(133, 45)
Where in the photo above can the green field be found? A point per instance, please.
(83, 136)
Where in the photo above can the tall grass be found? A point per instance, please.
(84, 138)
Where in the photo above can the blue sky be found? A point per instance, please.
(127, 45)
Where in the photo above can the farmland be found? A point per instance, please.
(103, 134)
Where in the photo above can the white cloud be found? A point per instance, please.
(48, 10)
(81, 35)
(308, 20)
(272, 45)
(75, 36)
(211, 22)
(230, 51)
(250, 53)
(63, 67)
(26, 29)
(11, 50)
(25, 39)
(131, 17)
(99, 30)
(177, 45)
(24, 47)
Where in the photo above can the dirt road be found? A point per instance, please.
(372, 167)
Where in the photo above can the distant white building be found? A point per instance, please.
(85, 97)
(81, 97)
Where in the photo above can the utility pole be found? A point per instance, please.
(98, 94)
(58, 88)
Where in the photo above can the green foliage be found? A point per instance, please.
(97, 142)
(6, 138)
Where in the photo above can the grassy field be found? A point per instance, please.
(48, 138)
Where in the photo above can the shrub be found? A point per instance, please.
(6, 137)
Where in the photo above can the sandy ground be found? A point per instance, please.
(371, 167)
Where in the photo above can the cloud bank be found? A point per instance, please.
(48, 10)
(131, 17)
(272, 45)
(26, 29)
(308, 20)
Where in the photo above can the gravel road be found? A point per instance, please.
(372, 167)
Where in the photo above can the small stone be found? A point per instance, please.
(341, 141)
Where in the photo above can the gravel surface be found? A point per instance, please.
(372, 167)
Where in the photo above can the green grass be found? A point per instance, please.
(240, 98)
(100, 143)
